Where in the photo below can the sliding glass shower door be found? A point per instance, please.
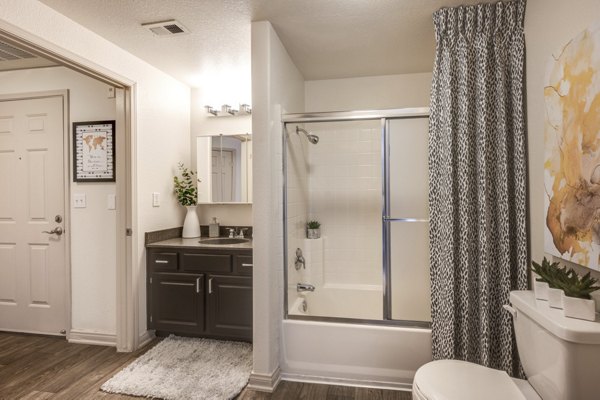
(365, 179)
(406, 219)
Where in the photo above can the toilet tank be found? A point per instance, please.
(560, 356)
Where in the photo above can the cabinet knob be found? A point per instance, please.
(210, 286)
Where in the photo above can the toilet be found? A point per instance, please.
(560, 356)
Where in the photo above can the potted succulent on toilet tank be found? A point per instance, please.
(313, 229)
(576, 299)
(540, 283)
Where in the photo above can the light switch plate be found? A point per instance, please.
(79, 200)
(155, 199)
(111, 202)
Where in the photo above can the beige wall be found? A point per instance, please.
(549, 24)
(369, 93)
(278, 87)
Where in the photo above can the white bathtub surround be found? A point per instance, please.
(541, 290)
(574, 307)
(352, 354)
(555, 298)
(341, 301)
(313, 256)
(191, 224)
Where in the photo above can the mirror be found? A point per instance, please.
(224, 168)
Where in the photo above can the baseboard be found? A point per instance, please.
(346, 382)
(96, 338)
(264, 382)
(145, 338)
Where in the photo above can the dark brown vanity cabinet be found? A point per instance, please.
(200, 292)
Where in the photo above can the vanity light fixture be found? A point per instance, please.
(228, 111)
(211, 110)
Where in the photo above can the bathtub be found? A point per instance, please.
(353, 354)
(346, 353)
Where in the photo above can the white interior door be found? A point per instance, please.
(222, 175)
(33, 288)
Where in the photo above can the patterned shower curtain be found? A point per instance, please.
(478, 182)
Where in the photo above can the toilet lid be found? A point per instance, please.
(461, 380)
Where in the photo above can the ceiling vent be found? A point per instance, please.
(9, 53)
(166, 28)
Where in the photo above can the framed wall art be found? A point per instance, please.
(572, 161)
(94, 151)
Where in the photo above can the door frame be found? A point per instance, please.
(64, 95)
(127, 268)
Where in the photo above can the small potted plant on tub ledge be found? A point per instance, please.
(576, 299)
(313, 229)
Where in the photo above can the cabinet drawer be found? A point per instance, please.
(163, 261)
(206, 262)
(243, 265)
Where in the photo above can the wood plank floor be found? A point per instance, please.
(40, 367)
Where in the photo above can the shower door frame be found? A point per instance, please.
(384, 116)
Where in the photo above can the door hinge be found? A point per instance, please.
(128, 232)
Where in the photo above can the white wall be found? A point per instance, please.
(205, 124)
(278, 87)
(549, 25)
(369, 93)
(93, 245)
(160, 120)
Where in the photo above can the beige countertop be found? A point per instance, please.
(196, 243)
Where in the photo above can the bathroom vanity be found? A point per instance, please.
(198, 289)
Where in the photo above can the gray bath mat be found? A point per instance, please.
(186, 369)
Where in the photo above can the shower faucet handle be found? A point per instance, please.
(299, 262)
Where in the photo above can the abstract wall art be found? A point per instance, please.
(572, 151)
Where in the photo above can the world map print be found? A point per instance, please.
(572, 159)
(94, 151)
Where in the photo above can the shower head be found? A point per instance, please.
(314, 139)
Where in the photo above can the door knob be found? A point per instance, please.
(56, 231)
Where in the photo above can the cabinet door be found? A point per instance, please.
(177, 302)
(230, 306)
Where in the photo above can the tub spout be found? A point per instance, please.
(305, 287)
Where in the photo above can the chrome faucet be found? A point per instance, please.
(241, 234)
(305, 287)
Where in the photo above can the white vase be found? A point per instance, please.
(191, 224)
(555, 298)
(541, 290)
(574, 307)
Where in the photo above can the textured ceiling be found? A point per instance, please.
(325, 38)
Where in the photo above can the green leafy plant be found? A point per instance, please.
(565, 279)
(313, 224)
(548, 272)
(184, 186)
(580, 287)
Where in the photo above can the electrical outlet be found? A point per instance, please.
(156, 199)
(111, 92)
(79, 200)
